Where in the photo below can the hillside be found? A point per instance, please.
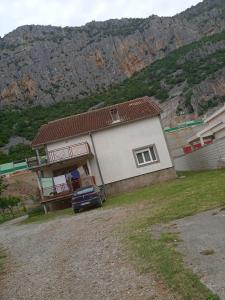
(42, 65)
(192, 77)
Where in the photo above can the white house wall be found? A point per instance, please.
(115, 145)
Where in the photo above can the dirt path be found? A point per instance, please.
(77, 257)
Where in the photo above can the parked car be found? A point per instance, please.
(91, 196)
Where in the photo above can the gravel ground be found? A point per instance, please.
(203, 245)
(77, 257)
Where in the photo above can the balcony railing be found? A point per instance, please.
(72, 151)
(60, 154)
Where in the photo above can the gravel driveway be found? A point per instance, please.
(74, 257)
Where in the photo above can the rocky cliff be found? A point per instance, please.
(44, 64)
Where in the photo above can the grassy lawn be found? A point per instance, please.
(192, 193)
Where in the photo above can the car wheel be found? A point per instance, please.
(76, 211)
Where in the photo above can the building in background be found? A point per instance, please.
(214, 129)
(119, 148)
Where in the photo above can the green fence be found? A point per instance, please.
(184, 125)
(13, 167)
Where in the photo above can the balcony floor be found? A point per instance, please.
(61, 196)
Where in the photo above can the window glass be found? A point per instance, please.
(114, 115)
(140, 158)
(153, 153)
(147, 156)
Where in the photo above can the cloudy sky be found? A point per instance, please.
(14, 13)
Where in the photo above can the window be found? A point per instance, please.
(114, 115)
(146, 155)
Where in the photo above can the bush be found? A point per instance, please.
(9, 203)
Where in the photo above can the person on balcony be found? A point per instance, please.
(75, 178)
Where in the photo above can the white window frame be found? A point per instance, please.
(146, 149)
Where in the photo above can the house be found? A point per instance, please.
(214, 129)
(119, 148)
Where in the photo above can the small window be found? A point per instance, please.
(114, 115)
(145, 155)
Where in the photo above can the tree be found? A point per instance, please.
(12, 201)
(3, 185)
(9, 203)
(3, 205)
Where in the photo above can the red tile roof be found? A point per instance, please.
(95, 120)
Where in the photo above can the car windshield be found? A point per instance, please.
(85, 191)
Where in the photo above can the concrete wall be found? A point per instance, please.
(177, 139)
(208, 157)
(219, 118)
(220, 134)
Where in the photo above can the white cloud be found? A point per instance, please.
(15, 13)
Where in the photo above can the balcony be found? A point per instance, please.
(61, 154)
(69, 152)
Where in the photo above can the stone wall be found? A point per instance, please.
(133, 183)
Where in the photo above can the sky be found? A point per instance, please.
(14, 13)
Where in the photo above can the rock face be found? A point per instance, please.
(42, 65)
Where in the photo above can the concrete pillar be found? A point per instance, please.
(38, 156)
(45, 208)
(89, 168)
(39, 184)
(202, 141)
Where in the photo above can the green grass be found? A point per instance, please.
(160, 257)
(198, 191)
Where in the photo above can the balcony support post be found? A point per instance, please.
(45, 208)
(38, 156)
(98, 166)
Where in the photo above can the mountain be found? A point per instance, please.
(42, 65)
(51, 72)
